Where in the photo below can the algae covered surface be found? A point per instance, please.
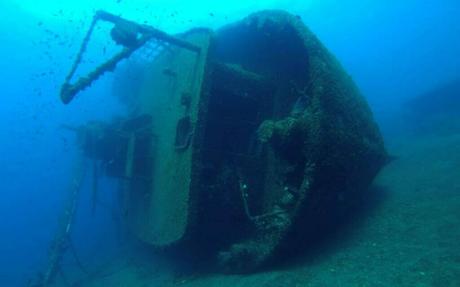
(407, 236)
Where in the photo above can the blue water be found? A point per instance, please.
(394, 50)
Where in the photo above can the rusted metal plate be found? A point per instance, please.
(159, 210)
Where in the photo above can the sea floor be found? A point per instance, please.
(410, 236)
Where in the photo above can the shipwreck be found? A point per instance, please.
(238, 144)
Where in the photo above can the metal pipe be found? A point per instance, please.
(69, 91)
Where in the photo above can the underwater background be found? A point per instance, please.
(396, 51)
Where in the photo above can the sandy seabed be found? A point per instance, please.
(409, 237)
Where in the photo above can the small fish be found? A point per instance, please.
(300, 105)
(169, 72)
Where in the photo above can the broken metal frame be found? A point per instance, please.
(62, 240)
(142, 34)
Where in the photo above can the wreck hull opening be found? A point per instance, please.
(289, 144)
